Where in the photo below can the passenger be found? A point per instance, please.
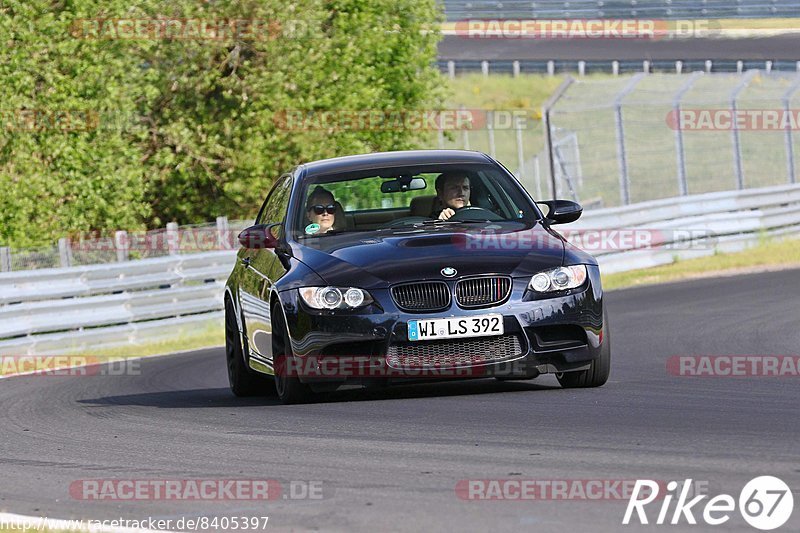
(321, 210)
(452, 192)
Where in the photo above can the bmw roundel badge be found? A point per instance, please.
(449, 272)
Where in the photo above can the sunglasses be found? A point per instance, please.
(319, 209)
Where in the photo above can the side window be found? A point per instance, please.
(274, 209)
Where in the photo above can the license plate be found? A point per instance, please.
(424, 329)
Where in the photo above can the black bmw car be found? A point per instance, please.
(388, 267)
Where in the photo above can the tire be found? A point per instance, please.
(597, 374)
(243, 381)
(289, 388)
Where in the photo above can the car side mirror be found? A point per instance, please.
(259, 236)
(562, 211)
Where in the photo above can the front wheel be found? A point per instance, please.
(288, 386)
(242, 380)
(597, 373)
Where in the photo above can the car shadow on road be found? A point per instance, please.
(222, 397)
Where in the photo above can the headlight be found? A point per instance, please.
(335, 297)
(558, 279)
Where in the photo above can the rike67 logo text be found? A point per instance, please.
(765, 503)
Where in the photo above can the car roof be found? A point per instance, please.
(390, 159)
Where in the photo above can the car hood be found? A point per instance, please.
(377, 260)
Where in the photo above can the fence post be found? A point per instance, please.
(787, 98)
(624, 179)
(581, 68)
(551, 68)
(737, 144)
(173, 243)
(683, 184)
(548, 129)
(64, 253)
(515, 69)
(5, 259)
(520, 150)
(490, 131)
(615, 67)
(122, 246)
(223, 234)
(485, 68)
(451, 69)
(537, 176)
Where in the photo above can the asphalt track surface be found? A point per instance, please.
(390, 460)
(783, 47)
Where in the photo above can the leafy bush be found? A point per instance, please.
(102, 132)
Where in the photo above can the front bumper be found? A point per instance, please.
(558, 334)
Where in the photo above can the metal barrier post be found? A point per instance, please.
(737, 144)
(64, 253)
(683, 185)
(173, 237)
(122, 246)
(624, 178)
(223, 234)
(5, 259)
(787, 98)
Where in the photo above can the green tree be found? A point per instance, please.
(198, 128)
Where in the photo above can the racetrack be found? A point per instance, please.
(390, 460)
(781, 47)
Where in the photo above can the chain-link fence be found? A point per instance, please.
(645, 137)
(513, 137)
(110, 247)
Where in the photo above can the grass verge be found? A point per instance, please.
(768, 255)
(208, 336)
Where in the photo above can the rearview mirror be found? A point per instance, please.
(259, 236)
(403, 184)
(562, 211)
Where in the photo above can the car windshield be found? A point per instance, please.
(410, 197)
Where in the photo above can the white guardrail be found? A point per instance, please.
(62, 310)
(67, 310)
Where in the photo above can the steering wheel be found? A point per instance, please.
(472, 212)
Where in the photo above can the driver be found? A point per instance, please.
(452, 190)
(321, 210)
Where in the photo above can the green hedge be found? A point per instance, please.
(101, 132)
